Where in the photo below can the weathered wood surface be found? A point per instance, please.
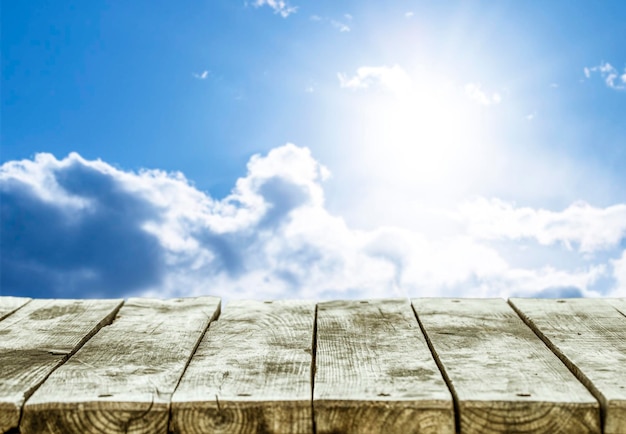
(122, 380)
(251, 372)
(374, 372)
(38, 338)
(505, 380)
(618, 303)
(8, 305)
(589, 335)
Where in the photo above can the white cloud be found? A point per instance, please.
(202, 76)
(280, 7)
(610, 74)
(546, 281)
(474, 92)
(590, 229)
(342, 25)
(409, 14)
(87, 228)
(393, 78)
(619, 274)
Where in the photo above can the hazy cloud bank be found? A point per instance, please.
(76, 228)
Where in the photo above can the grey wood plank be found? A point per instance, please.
(251, 372)
(8, 305)
(590, 337)
(375, 373)
(504, 378)
(38, 338)
(122, 380)
(618, 303)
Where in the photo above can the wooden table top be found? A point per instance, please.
(425, 365)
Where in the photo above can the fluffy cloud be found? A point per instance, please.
(74, 227)
(590, 229)
(610, 74)
(619, 273)
(280, 7)
(393, 78)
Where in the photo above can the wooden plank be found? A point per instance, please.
(374, 372)
(38, 338)
(8, 305)
(251, 372)
(505, 380)
(123, 378)
(618, 303)
(590, 337)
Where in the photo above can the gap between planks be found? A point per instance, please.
(442, 370)
(122, 380)
(193, 352)
(503, 376)
(313, 357)
(574, 370)
(47, 311)
(375, 373)
(10, 305)
(572, 329)
(256, 362)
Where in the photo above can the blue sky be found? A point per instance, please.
(313, 149)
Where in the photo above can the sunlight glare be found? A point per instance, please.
(423, 131)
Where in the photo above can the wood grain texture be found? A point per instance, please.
(618, 303)
(251, 372)
(589, 335)
(38, 338)
(374, 372)
(505, 380)
(122, 380)
(8, 305)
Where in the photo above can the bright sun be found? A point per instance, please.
(420, 129)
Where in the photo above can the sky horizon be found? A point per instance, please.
(300, 149)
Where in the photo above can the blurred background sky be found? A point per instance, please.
(313, 149)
